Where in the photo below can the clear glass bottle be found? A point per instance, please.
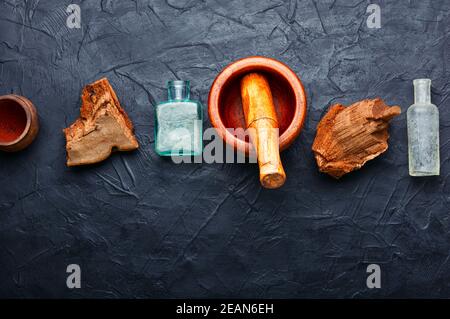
(423, 132)
(178, 122)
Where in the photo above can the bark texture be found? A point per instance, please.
(102, 128)
(348, 137)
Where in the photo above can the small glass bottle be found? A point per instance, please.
(423, 132)
(178, 123)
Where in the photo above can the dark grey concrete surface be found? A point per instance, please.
(141, 226)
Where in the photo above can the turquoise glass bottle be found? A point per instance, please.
(179, 122)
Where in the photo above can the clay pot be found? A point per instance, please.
(26, 123)
(225, 105)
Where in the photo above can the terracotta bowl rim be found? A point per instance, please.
(23, 102)
(262, 63)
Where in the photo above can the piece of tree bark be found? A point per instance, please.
(348, 137)
(103, 127)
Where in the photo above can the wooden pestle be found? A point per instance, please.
(262, 124)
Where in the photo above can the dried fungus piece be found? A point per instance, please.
(348, 137)
(103, 127)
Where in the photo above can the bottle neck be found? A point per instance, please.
(422, 91)
(178, 90)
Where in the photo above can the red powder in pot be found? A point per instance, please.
(13, 121)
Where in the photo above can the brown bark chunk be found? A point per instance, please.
(348, 137)
(103, 127)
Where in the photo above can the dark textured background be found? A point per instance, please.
(141, 226)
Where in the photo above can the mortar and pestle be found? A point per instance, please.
(265, 96)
